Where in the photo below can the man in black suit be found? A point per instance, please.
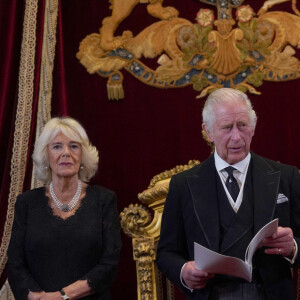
(222, 209)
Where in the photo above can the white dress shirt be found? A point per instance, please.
(239, 174)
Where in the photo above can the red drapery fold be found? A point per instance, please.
(60, 66)
(11, 24)
(11, 16)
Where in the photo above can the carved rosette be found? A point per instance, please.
(134, 219)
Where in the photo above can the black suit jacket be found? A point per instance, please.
(191, 215)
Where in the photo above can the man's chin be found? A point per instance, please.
(234, 158)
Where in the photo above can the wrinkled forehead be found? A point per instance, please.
(230, 108)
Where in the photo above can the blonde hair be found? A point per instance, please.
(73, 130)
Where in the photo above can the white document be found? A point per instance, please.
(213, 262)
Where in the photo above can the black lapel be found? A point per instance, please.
(203, 190)
(265, 191)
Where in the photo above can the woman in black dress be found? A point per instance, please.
(65, 239)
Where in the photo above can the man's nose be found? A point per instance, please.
(235, 134)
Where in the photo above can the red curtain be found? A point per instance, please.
(11, 16)
(149, 131)
(11, 26)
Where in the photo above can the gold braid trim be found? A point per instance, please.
(23, 121)
(6, 293)
(46, 76)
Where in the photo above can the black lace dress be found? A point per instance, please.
(48, 253)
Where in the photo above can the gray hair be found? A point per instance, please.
(225, 95)
(73, 130)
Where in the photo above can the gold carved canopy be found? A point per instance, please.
(216, 51)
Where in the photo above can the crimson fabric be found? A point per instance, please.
(11, 26)
(152, 129)
(11, 18)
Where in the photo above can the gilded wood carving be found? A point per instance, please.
(212, 53)
(143, 226)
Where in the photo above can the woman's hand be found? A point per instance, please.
(51, 296)
(35, 295)
(44, 296)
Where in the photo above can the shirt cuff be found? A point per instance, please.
(182, 281)
(292, 260)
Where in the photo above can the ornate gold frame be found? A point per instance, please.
(143, 226)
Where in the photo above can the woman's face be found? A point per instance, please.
(64, 156)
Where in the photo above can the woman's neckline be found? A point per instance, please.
(76, 210)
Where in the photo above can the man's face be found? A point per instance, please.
(232, 131)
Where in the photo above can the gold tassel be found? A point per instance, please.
(115, 89)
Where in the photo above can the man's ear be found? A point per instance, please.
(207, 133)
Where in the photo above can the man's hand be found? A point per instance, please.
(281, 242)
(193, 278)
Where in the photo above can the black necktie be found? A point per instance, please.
(231, 183)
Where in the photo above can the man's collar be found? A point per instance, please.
(241, 165)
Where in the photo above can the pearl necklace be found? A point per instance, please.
(69, 206)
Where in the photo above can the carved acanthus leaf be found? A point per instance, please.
(133, 220)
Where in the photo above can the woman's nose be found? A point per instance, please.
(66, 151)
